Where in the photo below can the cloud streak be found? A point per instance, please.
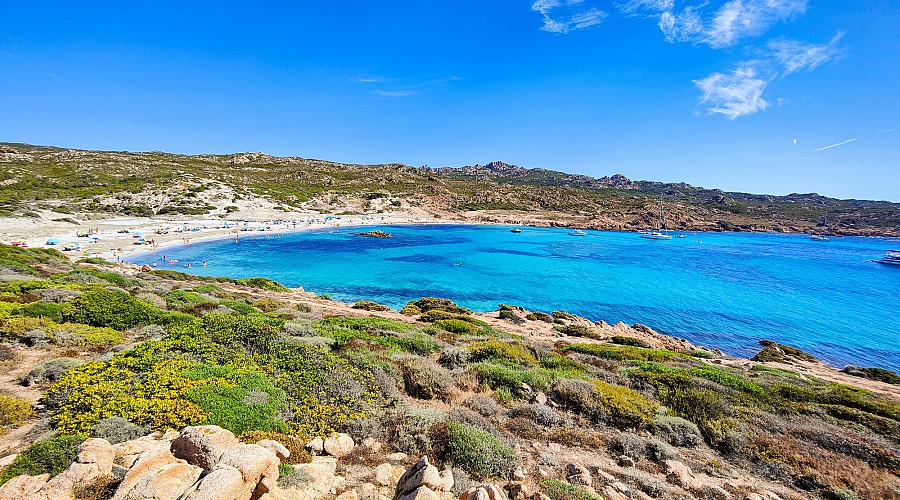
(401, 87)
(565, 16)
(848, 141)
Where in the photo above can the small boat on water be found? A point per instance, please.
(578, 232)
(891, 258)
(515, 230)
(819, 237)
(659, 233)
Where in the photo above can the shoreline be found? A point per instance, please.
(110, 244)
(110, 237)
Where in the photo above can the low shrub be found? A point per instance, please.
(484, 405)
(621, 352)
(13, 412)
(574, 330)
(50, 456)
(409, 429)
(50, 310)
(426, 304)
(540, 414)
(510, 315)
(50, 371)
(561, 490)
(118, 430)
(634, 342)
(539, 316)
(648, 484)
(423, 378)
(605, 403)
(773, 351)
(183, 299)
(454, 357)
(498, 351)
(873, 373)
(457, 326)
(368, 305)
(72, 334)
(240, 402)
(658, 451)
(269, 305)
(239, 307)
(263, 284)
(629, 445)
(109, 308)
(478, 452)
(676, 431)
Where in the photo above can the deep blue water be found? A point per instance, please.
(724, 290)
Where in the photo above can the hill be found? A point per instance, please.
(66, 181)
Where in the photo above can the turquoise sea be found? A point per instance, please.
(723, 290)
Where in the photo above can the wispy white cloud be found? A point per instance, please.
(637, 6)
(733, 94)
(45, 70)
(684, 26)
(740, 19)
(395, 93)
(403, 87)
(795, 56)
(565, 16)
(739, 93)
(885, 131)
(848, 141)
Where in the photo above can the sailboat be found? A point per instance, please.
(659, 233)
(821, 237)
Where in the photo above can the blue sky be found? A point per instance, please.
(765, 96)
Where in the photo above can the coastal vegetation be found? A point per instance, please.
(60, 181)
(132, 352)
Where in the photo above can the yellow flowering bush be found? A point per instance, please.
(98, 390)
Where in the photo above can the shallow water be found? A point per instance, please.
(724, 290)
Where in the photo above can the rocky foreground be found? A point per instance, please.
(210, 463)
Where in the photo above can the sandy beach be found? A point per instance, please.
(121, 239)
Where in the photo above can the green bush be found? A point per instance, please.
(269, 305)
(457, 326)
(263, 284)
(368, 305)
(622, 352)
(676, 431)
(629, 445)
(498, 351)
(50, 456)
(240, 402)
(423, 378)
(182, 299)
(539, 316)
(426, 304)
(109, 308)
(48, 310)
(873, 373)
(560, 490)
(634, 342)
(13, 412)
(773, 351)
(479, 453)
(50, 371)
(240, 307)
(605, 403)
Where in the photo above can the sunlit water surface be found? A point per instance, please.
(724, 290)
